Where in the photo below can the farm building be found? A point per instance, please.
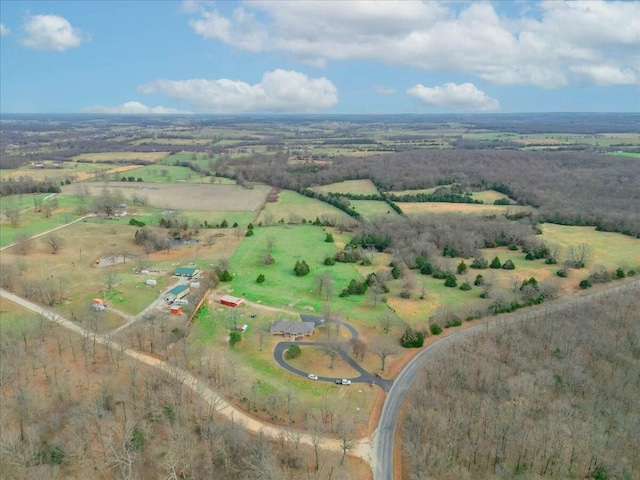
(179, 291)
(176, 310)
(194, 285)
(292, 329)
(230, 301)
(188, 272)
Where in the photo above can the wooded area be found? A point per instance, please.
(553, 397)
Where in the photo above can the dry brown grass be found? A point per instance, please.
(121, 156)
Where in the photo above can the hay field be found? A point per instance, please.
(417, 208)
(191, 196)
(357, 187)
(121, 156)
(291, 204)
(371, 209)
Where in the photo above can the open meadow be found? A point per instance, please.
(121, 157)
(294, 207)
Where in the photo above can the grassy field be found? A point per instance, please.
(121, 156)
(371, 209)
(356, 187)
(488, 196)
(625, 154)
(418, 208)
(71, 170)
(291, 204)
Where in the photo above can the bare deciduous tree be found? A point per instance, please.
(383, 348)
(55, 242)
(24, 243)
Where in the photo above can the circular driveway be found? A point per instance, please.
(343, 350)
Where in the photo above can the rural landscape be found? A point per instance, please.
(211, 296)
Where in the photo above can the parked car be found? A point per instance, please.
(344, 381)
(311, 376)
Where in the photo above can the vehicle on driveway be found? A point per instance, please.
(344, 381)
(311, 376)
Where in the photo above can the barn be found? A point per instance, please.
(230, 301)
(179, 291)
(176, 310)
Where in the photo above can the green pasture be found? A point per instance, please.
(488, 196)
(172, 141)
(282, 287)
(609, 249)
(291, 204)
(165, 174)
(14, 320)
(371, 209)
(356, 187)
(242, 218)
(625, 154)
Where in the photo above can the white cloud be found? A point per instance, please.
(50, 32)
(382, 90)
(132, 108)
(278, 91)
(465, 97)
(549, 45)
(4, 30)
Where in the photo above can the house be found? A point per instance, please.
(230, 301)
(188, 272)
(151, 281)
(176, 310)
(179, 291)
(292, 329)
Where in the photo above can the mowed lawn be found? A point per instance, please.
(292, 206)
(282, 288)
(356, 187)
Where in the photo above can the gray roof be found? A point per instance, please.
(292, 328)
(317, 321)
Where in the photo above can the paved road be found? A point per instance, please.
(383, 443)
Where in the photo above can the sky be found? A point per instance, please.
(328, 56)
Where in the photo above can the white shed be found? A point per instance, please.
(194, 285)
(151, 281)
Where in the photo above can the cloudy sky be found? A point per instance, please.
(319, 56)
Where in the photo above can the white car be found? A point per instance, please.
(311, 376)
(344, 381)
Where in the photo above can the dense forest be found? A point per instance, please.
(574, 188)
(552, 397)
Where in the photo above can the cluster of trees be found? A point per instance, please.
(554, 397)
(12, 187)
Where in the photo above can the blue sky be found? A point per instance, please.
(319, 56)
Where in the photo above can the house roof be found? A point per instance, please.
(315, 319)
(292, 328)
(231, 299)
(185, 271)
(177, 290)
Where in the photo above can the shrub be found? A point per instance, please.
(479, 280)
(620, 272)
(551, 261)
(435, 329)
(601, 276)
(631, 272)
(465, 286)
(508, 265)
(249, 233)
(260, 278)
(292, 352)
(405, 294)
(495, 263)
(451, 281)
(449, 251)
(440, 274)
(563, 272)
(462, 268)
(328, 237)
(479, 263)
(426, 269)
(586, 283)
(329, 261)
(225, 276)
(412, 338)
(301, 268)
(454, 322)
(513, 247)
(234, 338)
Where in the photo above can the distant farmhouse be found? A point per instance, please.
(179, 291)
(187, 272)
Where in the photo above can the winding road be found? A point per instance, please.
(383, 443)
(365, 377)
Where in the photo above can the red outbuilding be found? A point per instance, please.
(230, 301)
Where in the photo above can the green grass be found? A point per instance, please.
(242, 218)
(293, 204)
(625, 154)
(282, 288)
(14, 320)
(371, 209)
(163, 174)
(357, 187)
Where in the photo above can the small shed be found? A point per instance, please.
(231, 301)
(176, 310)
(194, 285)
(152, 281)
(179, 291)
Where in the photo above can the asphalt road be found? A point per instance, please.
(364, 377)
(383, 443)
